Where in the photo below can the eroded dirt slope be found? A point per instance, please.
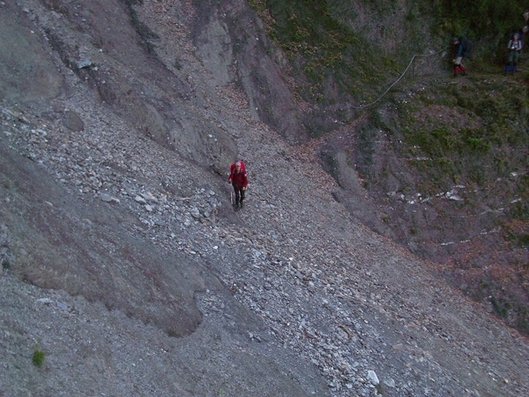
(124, 263)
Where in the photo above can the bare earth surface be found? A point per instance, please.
(123, 261)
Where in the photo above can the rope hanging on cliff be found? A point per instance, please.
(396, 81)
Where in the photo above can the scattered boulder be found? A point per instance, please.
(73, 121)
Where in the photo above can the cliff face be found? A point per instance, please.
(123, 263)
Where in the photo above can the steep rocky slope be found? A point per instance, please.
(452, 182)
(123, 262)
(445, 161)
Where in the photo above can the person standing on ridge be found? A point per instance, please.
(460, 52)
(514, 47)
(239, 180)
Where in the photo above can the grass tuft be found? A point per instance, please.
(38, 358)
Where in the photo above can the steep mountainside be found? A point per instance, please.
(125, 271)
(444, 161)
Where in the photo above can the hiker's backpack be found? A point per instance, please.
(467, 47)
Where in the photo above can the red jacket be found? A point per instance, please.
(240, 179)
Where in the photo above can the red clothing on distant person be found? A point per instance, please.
(238, 177)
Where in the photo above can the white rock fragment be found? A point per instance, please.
(140, 199)
(372, 377)
(195, 212)
(107, 198)
(84, 63)
(45, 301)
(149, 197)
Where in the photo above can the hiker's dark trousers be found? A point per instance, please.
(239, 194)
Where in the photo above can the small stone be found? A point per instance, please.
(45, 301)
(84, 63)
(140, 199)
(73, 121)
(372, 377)
(195, 213)
(107, 198)
(149, 197)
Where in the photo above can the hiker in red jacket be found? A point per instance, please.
(239, 180)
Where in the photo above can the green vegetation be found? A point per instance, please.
(500, 306)
(341, 47)
(488, 23)
(38, 358)
(330, 44)
(323, 47)
(469, 132)
(472, 132)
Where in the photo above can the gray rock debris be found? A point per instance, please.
(303, 296)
